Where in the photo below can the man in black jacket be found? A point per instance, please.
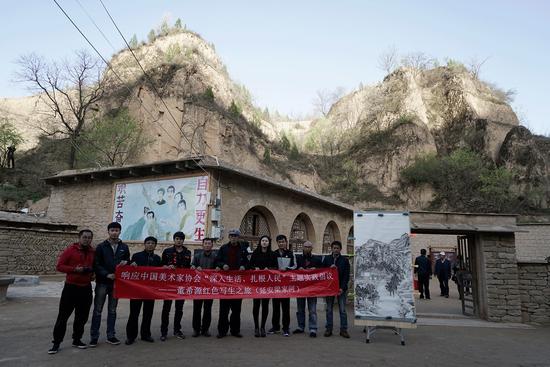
(286, 261)
(108, 255)
(423, 269)
(336, 260)
(231, 256)
(143, 258)
(443, 273)
(307, 261)
(177, 256)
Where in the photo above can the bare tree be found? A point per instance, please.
(475, 64)
(324, 99)
(418, 61)
(69, 90)
(388, 60)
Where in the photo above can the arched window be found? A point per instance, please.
(332, 233)
(350, 249)
(257, 222)
(302, 231)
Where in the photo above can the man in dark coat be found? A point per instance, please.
(307, 261)
(423, 269)
(443, 273)
(143, 258)
(342, 263)
(108, 255)
(177, 256)
(231, 256)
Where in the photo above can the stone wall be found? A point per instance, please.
(534, 287)
(534, 244)
(87, 205)
(32, 251)
(498, 278)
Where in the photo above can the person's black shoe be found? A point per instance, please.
(328, 333)
(421, 296)
(273, 331)
(237, 335)
(286, 333)
(256, 332)
(163, 338)
(312, 334)
(298, 331)
(206, 334)
(262, 332)
(129, 341)
(92, 343)
(179, 334)
(148, 339)
(428, 298)
(446, 296)
(78, 344)
(219, 336)
(195, 334)
(113, 340)
(344, 334)
(54, 349)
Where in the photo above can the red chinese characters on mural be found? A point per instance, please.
(201, 203)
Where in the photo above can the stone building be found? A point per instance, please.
(239, 198)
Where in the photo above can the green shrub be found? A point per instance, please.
(235, 110)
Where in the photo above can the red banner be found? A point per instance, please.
(143, 282)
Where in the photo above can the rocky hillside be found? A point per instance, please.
(402, 143)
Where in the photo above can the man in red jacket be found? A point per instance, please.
(77, 262)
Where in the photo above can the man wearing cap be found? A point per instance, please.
(231, 256)
(443, 273)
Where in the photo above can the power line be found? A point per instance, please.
(119, 78)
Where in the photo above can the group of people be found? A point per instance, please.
(83, 263)
(423, 270)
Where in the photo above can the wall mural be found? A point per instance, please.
(160, 208)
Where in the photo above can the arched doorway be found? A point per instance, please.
(302, 230)
(257, 222)
(332, 233)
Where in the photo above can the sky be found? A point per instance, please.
(285, 51)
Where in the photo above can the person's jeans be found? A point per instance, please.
(341, 308)
(102, 291)
(312, 311)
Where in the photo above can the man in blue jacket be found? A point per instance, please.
(231, 256)
(443, 273)
(108, 255)
(336, 260)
